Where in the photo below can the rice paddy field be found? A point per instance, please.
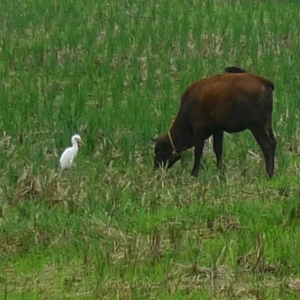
(111, 227)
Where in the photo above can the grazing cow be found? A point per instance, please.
(230, 102)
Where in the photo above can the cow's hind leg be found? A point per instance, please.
(267, 142)
(272, 137)
(218, 146)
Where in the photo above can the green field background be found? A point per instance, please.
(111, 227)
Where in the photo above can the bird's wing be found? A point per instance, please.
(66, 157)
(71, 158)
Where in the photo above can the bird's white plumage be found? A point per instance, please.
(67, 158)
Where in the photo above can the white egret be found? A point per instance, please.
(67, 158)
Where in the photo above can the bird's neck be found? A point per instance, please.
(75, 146)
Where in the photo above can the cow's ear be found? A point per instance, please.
(155, 139)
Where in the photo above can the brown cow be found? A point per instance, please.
(230, 102)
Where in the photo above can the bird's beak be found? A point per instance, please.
(81, 142)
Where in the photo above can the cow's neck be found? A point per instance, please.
(180, 134)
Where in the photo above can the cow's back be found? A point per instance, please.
(226, 98)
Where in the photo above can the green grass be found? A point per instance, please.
(111, 228)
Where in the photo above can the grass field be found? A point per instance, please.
(112, 228)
